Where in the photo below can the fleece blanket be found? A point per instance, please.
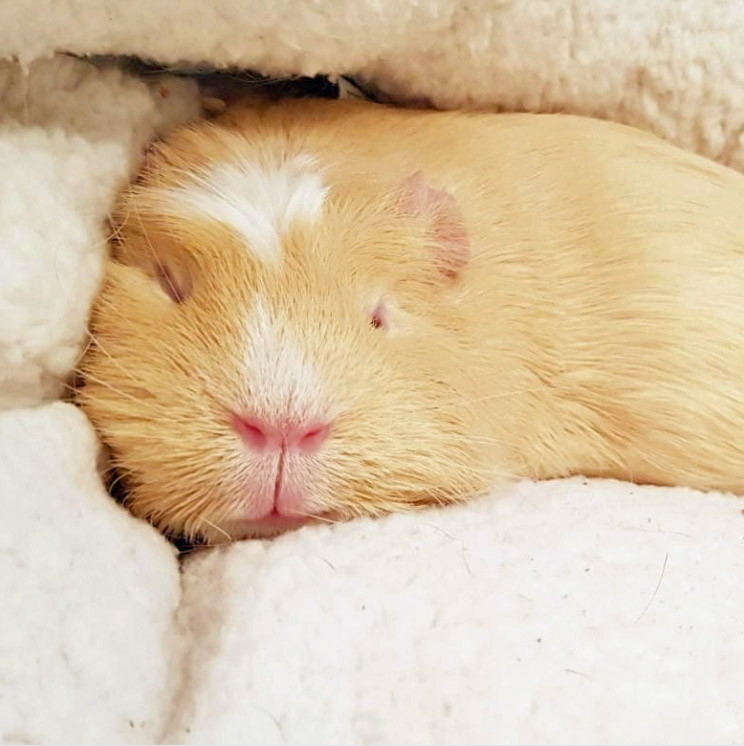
(570, 611)
(675, 67)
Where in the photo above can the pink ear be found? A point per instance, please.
(446, 224)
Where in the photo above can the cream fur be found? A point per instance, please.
(595, 330)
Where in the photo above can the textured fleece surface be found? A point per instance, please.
(571, 611)
(69, 138)
(87, 650)
(673, 66)
(564, 612)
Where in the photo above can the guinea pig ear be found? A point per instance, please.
(446, 225)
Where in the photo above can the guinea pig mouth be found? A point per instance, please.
(271, 525)
(278, 498)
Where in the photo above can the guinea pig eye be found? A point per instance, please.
(175, 284)
(378, 318)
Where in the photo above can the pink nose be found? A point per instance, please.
(263, 436)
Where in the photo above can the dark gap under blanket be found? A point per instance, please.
(228, 84)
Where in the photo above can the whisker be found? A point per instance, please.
(111, 387)
(82, 354)
(98, 344)
(120, 222)
(216, 528)
(115, 228)
(72, 389)
(316, 517)
(116, 481)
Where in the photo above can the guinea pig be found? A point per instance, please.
(317, 310)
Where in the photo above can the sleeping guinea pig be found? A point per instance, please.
(318, 310)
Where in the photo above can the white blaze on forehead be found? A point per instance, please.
(258, 201)
(283, 381)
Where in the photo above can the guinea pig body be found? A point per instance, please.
(322, 309)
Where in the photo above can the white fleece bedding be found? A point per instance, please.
(673, 66)
(572, 611)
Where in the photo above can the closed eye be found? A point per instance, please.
(378, 318)
(176, 285)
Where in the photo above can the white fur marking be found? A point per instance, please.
(284, 383)
(257, 201)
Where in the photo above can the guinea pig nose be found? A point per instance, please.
(256, 433)
(263, 435)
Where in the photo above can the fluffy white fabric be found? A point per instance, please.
(565, 611)
(673, 66)
(87, 650)
(69, 137)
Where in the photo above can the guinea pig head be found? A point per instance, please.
(272, 347)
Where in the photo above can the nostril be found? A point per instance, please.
(252, 431)
(311, 438)
(259, 435)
